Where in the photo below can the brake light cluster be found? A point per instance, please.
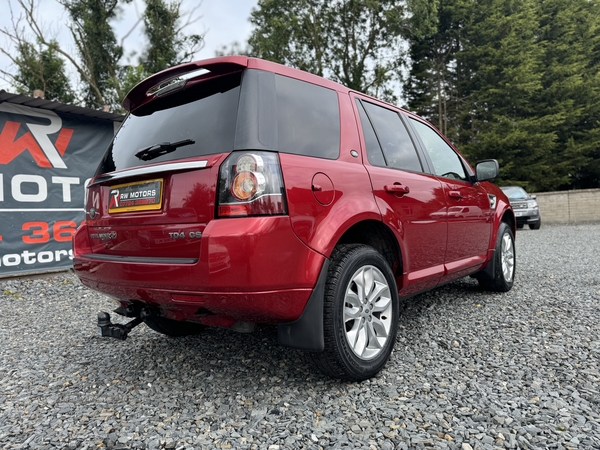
(251, 184)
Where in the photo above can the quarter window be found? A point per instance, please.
(446, 163)
(308, 119)
(374, 153)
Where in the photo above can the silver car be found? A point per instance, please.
(527, 211)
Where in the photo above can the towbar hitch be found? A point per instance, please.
(115, 330)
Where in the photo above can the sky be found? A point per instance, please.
(224, 22)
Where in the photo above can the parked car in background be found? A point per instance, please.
(525, 206)
(240, 191)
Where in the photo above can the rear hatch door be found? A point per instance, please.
(154, 191)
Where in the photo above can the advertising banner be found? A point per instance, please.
(46, 160)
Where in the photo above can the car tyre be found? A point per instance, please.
(536, 225)
(360, 316)
(172, 328)
(504, 265)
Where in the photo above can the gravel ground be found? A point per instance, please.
(470, 370)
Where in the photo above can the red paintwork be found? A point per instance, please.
(234, 274)
(138, 96)
(318, 226)
(263, 269)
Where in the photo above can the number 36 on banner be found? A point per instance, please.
(42, 232)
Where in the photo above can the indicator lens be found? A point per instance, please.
(244, 186)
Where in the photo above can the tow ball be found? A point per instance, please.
(115, 330)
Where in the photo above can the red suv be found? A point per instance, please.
(239, 191)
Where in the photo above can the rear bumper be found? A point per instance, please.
(248, 269)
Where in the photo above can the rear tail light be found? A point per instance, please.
(251, 184)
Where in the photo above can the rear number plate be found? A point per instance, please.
(139, 196)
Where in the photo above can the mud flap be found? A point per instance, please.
(306, 333)
(489, 272)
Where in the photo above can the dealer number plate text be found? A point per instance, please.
(139, 196)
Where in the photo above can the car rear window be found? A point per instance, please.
(265, 111)
(204, 113)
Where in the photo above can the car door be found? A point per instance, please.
(469, 212)
(411, 201)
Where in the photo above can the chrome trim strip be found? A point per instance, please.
(148, 170)
(139, 259)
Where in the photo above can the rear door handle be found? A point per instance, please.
(397, 188)
(455, 194)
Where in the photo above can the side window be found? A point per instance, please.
(446, 163)
(393, 138)
(374, 153)
(308, 119)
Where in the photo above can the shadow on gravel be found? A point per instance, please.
(215, 353)
(465, 291)
(224, 354)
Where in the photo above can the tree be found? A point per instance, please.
(434, 42)
(513, 80)
(42, 68)
(104, 79)
(354, 42)
(38, 62)
(235, 48)
(569, 33)
(168, 45)
(291, 32)
(98, 53)
(501, 71)
(98, 49)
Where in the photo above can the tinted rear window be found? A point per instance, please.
(308, 119)
(205, 113)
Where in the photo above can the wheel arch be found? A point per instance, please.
(509, 217)
(307, 333)
(377, 235)
(505, 215)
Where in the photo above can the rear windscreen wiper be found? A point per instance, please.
(156, 150)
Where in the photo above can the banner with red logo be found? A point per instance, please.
(46, 160)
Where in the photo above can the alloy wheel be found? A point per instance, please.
(508, 257)
(367, 312)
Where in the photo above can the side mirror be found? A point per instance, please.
(487, 170)
(534, 197)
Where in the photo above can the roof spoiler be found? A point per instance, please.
(140, 94)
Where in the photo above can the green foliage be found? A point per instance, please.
(128, 77)
(168, 46)
(42, 68)
(354, 42)
(424, 17)
(291, 32)
(233, 49)
(570, 36)
(434, 41)
(104, 80)
(98, 49)
(160, 24)
(515, 80)
(502, 60)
